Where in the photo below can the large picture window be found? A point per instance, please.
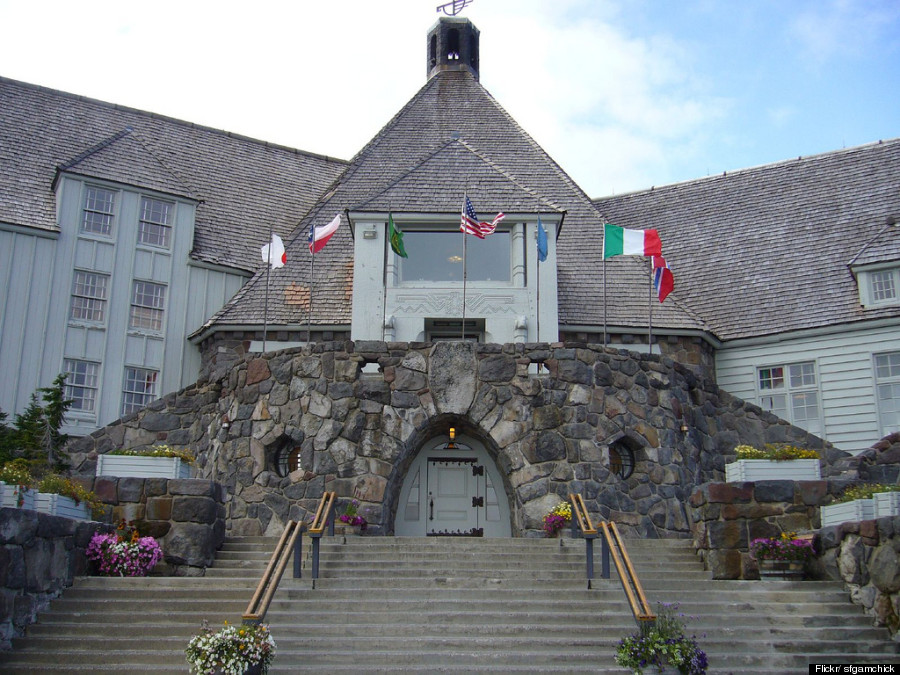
(792, 392)
(887, 383)
(437, 256)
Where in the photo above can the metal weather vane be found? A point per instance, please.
(455, 7)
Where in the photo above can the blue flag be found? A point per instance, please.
(541, 241)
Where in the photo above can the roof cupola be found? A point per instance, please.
(452, 45)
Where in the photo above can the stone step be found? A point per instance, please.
(432, 605)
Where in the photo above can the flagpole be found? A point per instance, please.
(312, 268)
(650, 309)
(603, 267)
(266, 303)
(464, 229)
(385, 275)
(537, 262)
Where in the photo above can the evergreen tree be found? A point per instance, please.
(37, 435)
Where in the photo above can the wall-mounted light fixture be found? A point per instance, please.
(370, 234)
(225, 422)
(452, 444)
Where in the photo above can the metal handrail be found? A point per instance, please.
(262, 597)
(612, 541)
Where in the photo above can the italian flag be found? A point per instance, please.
(619, 241)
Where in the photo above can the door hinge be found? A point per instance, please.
(477, 501)
(477, 470)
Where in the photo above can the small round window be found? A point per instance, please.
(288, 461)
(621, 460)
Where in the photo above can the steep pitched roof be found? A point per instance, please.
(452, 137)
(242, 185)
(766, 250)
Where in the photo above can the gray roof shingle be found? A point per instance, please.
(242, 185)
(451, 138)
(766, 250)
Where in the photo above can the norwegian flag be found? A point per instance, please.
(663, 281)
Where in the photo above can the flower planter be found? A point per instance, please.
(770, 469)
(887, 504)
(781, 569)
(135, 466)
(14, 497)
(855, 511)
(57, 505)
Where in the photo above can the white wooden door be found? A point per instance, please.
(454, 498)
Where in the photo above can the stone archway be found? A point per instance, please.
(452, 488)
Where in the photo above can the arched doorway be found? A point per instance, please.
(452, 489)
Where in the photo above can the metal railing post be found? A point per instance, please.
(316, 538)
(589, 556)
(604, 559)
(298, 555)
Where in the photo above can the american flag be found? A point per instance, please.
(469, 221)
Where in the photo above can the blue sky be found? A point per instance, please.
(624, 94)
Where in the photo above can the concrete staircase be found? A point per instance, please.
(386, 604)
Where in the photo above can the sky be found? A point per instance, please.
(623, 94)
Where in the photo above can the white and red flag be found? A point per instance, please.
(319, 236)
(273, 253)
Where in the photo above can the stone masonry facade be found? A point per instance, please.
(547, 414)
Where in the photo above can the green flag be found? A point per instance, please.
(396, 237)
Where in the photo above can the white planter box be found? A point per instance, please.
(769, 469)
(134, 466)
(57, 505)
(848, 512)
(887, 504)
(9, 497)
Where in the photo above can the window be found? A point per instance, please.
(792, 393)
(287, 461)
(98, 211)
(881, 286)
(436, 256)
(140, 389)
(81, 384)
(878, 286)
(155, 225)
(88, 296)
(443, 330)
(147, 303)
(887, 383)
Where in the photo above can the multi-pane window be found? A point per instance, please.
(155, 224)
(82, 383)
(89, 296)
(882, 287)
(887, 383)
(792, 392)
(147, 304)
(140, 388)
(98, 210)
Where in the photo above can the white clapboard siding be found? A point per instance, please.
(845, 367)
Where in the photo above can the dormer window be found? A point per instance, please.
(879, 286)
(98, 211)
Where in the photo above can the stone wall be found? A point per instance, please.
(865, 555)
(550, 431)
(726, 517)
(187, 517)
(40, 556)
